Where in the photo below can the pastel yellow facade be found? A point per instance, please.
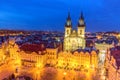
(77, 60)
(51, 55)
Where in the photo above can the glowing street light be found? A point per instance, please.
(64, 75)
(39, 65)
(37, 70)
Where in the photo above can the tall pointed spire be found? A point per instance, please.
(68, 18)
(81, 16)
(81, 22)
(68, 22)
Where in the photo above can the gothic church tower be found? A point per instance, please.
(74, 39)
(68, 26)
(81, 26)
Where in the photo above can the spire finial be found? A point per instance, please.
(68, 18)
(68, 22)
(81, 22)
(81, 16)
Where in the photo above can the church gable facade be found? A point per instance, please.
(74, 39)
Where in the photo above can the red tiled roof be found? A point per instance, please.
(32, 47)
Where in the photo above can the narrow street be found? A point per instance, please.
(101, 68)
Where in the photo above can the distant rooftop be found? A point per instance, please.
(33, 47)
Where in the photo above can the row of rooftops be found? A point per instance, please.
(41, 48)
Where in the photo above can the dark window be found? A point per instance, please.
(80, 31)
(67, 31)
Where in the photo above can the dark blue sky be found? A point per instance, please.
(100, 15)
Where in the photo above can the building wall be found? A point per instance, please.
(51, 55)
(63, 59)
(113, 73)
(73, 43)
(32, 59)
(77, 60)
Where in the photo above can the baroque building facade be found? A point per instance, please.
(77, 60)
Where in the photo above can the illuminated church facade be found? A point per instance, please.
(74, 39)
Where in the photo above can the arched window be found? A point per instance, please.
(80, 31)
(67, 31)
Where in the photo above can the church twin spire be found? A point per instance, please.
(81, 22)
(68, 22)
(74, 39)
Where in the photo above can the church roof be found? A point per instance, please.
(81, 19)
(81, 16)
(68, 22)
(68, 18)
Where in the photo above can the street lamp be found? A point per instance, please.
(64, 75)
(38, 67)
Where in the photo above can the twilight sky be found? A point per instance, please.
(100, 15)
